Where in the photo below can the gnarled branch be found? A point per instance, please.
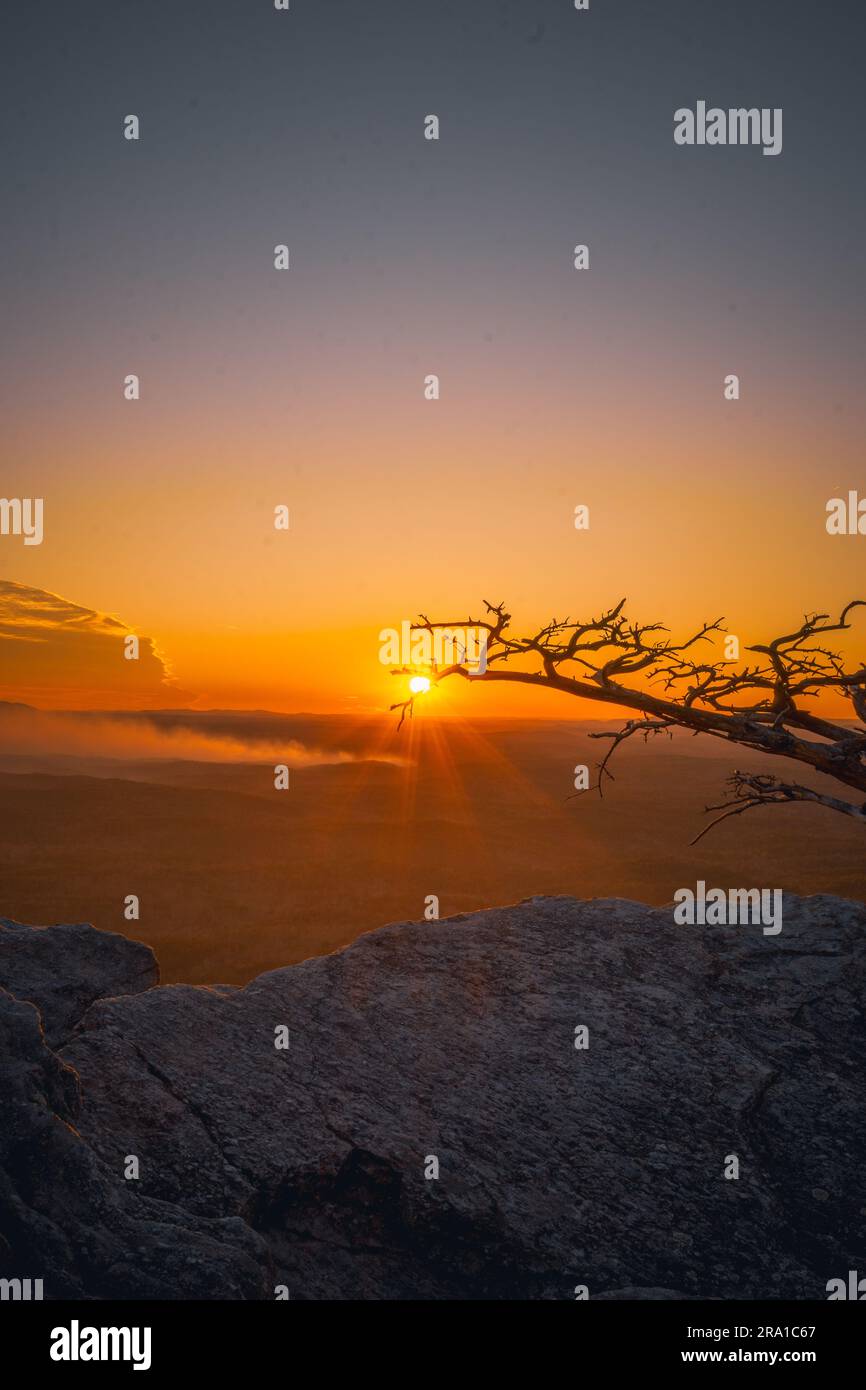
(759, 705)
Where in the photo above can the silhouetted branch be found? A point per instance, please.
(749, 789)
(759, 706)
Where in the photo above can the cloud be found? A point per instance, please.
(53, 734)
(54, 652)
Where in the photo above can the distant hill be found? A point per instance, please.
(235, 878)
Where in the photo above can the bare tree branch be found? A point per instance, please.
(750, 789)
(761, 706)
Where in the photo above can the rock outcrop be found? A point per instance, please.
(66, 968)
(446, 1047)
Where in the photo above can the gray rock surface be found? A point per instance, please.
(69, 1218)
(65, 968)
(455, 1039)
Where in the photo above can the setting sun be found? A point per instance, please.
(419, 685)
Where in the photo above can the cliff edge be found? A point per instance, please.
(580, 1076)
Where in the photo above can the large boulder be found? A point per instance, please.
(62, 969)
(449, 1047)
(71, 1219)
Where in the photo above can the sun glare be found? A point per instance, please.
(419, 685)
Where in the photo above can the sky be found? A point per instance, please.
(305, 387)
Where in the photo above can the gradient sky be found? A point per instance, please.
(409, 257)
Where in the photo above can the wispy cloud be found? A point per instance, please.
(53, 734)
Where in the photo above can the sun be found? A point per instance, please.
(419, 685)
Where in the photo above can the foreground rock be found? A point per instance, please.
(64, 1217)
(454, 1041)
(64, 969)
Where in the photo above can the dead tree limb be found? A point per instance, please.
(760, 705)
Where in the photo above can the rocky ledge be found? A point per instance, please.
(580, 1075)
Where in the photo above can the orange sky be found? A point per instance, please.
(160, 511)
(304, 387)
(435, 513)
